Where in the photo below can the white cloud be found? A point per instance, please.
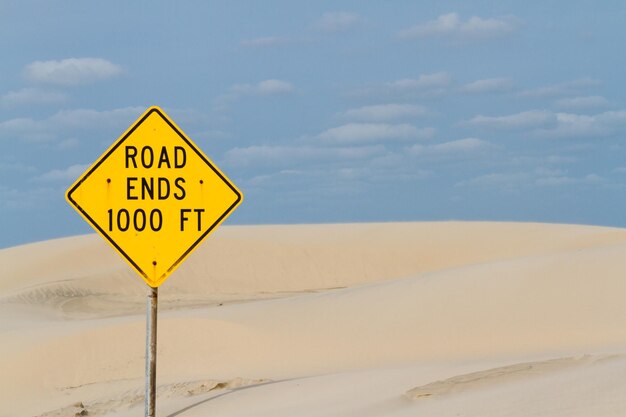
(68, 174)
(538, 178)
(89, 118)
(72, 71)
(489, 85)
(26, 129)
(544, 160)
(16, 167)
(266, 41)
(338, 177)
(31, 96)
(561, 89)
(524, 120)
(268, 155)
(424, 81)
(274, 178)
(372, 174)
(461, 146)
(352, 133)
(498, 180)
(556, 181)
(29, 129)
(546, 124)
(70, 143)
(320, 168)
(385, 112)
(271, 87)
(337, 21)
(570, 125)
(426, 85)
(26, 198)
(450, 25)
(266, 88)
(582, 103)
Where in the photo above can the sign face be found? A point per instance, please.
(154, 196)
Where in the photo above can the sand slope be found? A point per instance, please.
(328, 320)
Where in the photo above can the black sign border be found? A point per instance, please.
(116, 145)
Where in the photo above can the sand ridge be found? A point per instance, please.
(503, 374)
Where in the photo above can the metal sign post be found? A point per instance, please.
(151, 351)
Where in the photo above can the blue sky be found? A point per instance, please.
(327, 111)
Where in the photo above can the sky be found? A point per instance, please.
(326, 111)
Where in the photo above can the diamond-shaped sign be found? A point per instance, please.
(154, 196)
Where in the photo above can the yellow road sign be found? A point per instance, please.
(154, 196)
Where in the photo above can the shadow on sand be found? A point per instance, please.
(231, 391)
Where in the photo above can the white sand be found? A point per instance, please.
(399, 319)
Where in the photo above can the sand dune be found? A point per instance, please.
(358, 319)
